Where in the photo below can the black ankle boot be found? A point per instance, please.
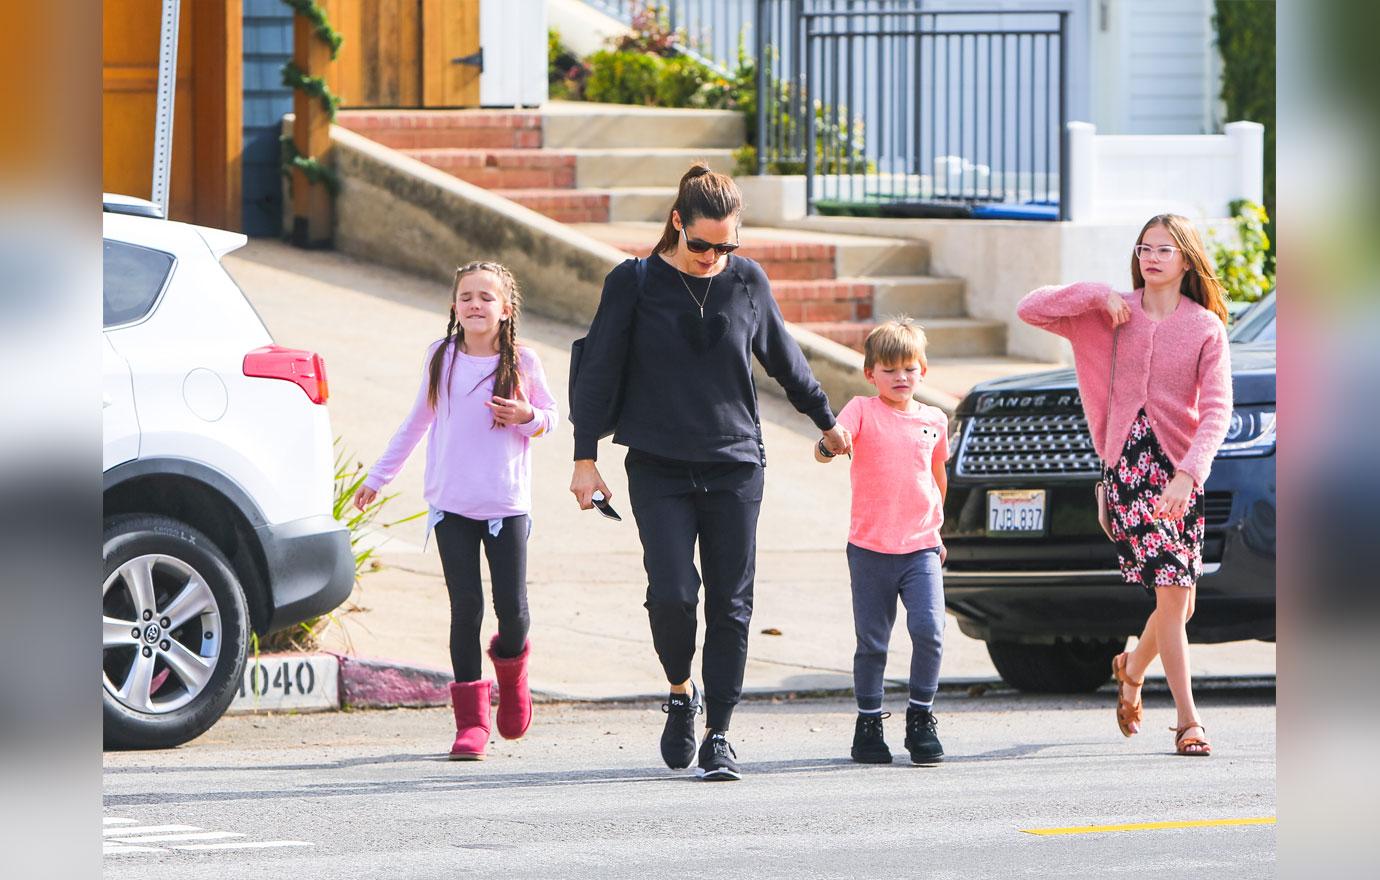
(922, 736)
(869, 747)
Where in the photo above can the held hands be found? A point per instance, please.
(585, 482)
(1173, 501)
(838, 441)
(365, 496)
(1117, 308)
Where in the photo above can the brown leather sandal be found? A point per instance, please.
(1126, 713)
(1183, 743)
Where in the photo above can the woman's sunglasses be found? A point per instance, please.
(699, 245)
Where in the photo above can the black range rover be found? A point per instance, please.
(1030, 572)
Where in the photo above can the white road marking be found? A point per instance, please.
(252, 844)
(204, 835)
(146, 829)
(111, 849)
(111, 820)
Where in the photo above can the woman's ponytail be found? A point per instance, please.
(703, 193)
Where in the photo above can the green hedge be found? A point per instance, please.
(1246, 40)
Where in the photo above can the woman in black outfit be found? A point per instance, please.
(677, 334)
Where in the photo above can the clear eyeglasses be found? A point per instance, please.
(1163, 252)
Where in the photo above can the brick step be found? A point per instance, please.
(782, 261)
(421, 129)
(947, 337)
(563, 205)
(503, 169)
(618, 203)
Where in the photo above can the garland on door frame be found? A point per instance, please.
(314, 86)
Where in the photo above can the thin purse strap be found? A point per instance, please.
(1111, 383)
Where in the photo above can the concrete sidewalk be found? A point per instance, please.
(585, 579)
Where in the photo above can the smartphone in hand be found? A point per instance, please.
(602, 505)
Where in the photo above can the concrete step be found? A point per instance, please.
(415, 129)
(957, 375)
(613, 126)
(649, 204)
(642, 166)
(919, 296)
(947, 337)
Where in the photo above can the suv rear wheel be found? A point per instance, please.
(175, 632)
(1068, 666)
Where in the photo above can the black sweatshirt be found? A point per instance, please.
(688, 387)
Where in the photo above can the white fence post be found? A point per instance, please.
(1248, 144)
(1082, 168)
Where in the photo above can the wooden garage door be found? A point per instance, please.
(205, 179)
(402, 53)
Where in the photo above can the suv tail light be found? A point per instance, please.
(306, 368)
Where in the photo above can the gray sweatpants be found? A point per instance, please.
(877, 580)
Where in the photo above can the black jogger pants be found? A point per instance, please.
(675, 503)
(458, 540)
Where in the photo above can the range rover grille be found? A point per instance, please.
(1056, 444)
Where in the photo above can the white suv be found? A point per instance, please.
(218, 480)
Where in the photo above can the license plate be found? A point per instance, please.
(1015, 513)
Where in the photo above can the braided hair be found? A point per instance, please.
(507, 379)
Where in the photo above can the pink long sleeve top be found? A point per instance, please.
(1178, 369)
(472, 468)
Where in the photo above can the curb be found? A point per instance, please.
(328, 682)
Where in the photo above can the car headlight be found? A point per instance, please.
(1251, 432)
(956, 426)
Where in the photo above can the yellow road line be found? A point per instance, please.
(1149, 826)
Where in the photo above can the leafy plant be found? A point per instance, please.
(618, 77)
(1243, 265)
(1246, 41)
(566, 74)
(649, 32)
(305, 636)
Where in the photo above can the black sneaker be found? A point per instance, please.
(922, 736)
(717, 759)
(868, 745)
(678, 737)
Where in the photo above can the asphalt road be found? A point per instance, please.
(366, 794)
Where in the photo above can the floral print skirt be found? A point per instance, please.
(1151, 552)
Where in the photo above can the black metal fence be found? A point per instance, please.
(892, 110)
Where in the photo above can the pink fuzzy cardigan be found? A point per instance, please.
(1178, 369)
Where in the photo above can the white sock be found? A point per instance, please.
(919, 705)
(869, 711)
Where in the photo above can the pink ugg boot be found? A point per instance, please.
(470, 700)
(514, 699)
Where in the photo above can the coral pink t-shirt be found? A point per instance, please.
(897, 507)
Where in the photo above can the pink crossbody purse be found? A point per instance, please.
(1104, 514)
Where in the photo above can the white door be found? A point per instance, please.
(119, 422)
(513, 36)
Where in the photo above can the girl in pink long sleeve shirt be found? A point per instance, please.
(483, 398)
(1158, 426)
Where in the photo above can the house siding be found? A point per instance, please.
(1168, 51)
(267, 46)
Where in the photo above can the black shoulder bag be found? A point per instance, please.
(577, 350)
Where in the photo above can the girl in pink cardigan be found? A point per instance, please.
(1158, 426)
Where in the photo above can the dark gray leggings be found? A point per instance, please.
(458, 539)
(877, 580)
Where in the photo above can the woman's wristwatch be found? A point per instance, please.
(824, 450)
